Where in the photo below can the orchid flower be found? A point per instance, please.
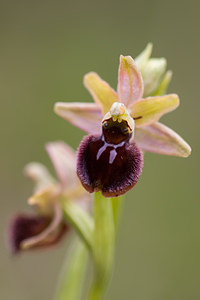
(130, 119)
(46, 226)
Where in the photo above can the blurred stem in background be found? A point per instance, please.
(99, 238)
(74, 271)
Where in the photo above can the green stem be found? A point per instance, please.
(103, 247)
(80, 220)
(71, 280)
(116, 205)
(99, 236)
(97, 291)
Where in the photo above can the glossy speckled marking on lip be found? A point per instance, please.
(114, 171)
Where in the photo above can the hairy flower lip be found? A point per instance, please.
(112, 169)
(28, 231)
(18, 230)
(50, 235)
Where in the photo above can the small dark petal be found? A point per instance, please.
(113, 169)
(23, 227)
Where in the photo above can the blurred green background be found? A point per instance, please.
(46, 48)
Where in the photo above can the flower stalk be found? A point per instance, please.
(103, 245)
(73, 274)
(117, 207)
(80, 220)
(98, 236)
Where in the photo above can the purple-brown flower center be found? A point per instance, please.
(110, 162)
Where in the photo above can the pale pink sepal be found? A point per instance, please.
(86, 116)
(40, 175)
(101, 91)
(64, 161)
(130, 83)
(158, 138)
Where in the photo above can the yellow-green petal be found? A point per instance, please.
(100, 90)
(162, 88)
(45, 199)
(149, 110)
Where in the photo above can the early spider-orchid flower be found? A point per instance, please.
(46, 226)
(110, 159)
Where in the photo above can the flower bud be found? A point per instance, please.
(153, 71)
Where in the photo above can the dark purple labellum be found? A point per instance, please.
(23, 227)
(109, 162)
